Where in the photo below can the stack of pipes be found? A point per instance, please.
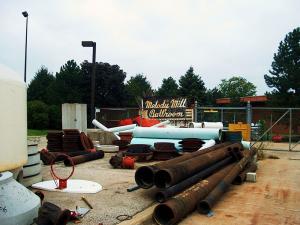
(194, 180)
(151, 135)
(218, 125)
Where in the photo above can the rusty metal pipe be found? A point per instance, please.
(205, 206)
(84, 158)
(163, 195)
(251, 167)
(176, 208)
(144, 176)
(168, 177)
(48, 157)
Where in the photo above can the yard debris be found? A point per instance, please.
(191, 144)
(133, 188)
(141, 152)
(273, 157)
(84, 158)
(51, 214)
(86, 202)
(164, 151)
(201, 177)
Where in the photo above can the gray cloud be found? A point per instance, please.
(158, 38)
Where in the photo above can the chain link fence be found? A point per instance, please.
(271, 128)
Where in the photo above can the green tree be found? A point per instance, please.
(37, 115)
(67, 87)
(236, 87)
(110, 87)
(137, 87)
(284, 75)
(38, 88)
(212, 95)
(192, 86)
(54, 116)
(168, 88)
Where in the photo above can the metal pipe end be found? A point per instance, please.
(68, 162)
(162, 179)
(163, 215)
(238, 180)
(203, 207)
(160, 197)
(144, 177)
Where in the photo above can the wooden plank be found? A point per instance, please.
(142, 218)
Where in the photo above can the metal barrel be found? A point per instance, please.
(144, 175)
(205, 206)
(163, 195)
(251, 167)
(176, 208)
(84, 158)
(165, 178)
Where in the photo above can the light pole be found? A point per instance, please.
(93, 77)
(25, 14)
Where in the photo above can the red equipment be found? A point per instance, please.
(62, 182)
(128, 162)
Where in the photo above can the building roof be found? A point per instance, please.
(261, 98)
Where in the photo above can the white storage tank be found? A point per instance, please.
(19, 205)
(13, 120)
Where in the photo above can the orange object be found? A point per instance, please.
(128, 162)
(125, 122)
(62, 183)
(243, 127)
(277, 138)
(145, 122)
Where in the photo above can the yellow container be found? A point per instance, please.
(243, 127)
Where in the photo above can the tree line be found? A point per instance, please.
(46, 91)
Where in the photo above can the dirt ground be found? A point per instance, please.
(112, 201)
(273, 199)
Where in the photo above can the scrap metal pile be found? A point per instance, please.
(195, 180)
(72, 143)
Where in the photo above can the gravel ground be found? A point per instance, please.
(112, 201)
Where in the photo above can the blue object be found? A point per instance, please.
(177, 133)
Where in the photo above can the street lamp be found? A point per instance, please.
(25, 14)
(93, 77)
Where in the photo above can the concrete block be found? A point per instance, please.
(251, 177)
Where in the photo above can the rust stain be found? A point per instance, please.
(283, 194)
(254, 219)
(267, 188)
(254, 189)
(229, 215)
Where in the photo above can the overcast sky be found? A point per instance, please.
(158, 38)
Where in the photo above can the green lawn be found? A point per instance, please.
(31, 132)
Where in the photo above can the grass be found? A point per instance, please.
(31, 132)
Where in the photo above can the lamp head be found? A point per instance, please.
(25, 14)
(88, 43)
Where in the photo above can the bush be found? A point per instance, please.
(37, 115)
(54, 115)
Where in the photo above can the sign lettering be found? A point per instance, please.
(173, 108)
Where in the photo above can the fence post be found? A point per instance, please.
(290, 130)
(196, 112)
(249, 110)
(142, 101)
(222, 117)
(271, 123)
